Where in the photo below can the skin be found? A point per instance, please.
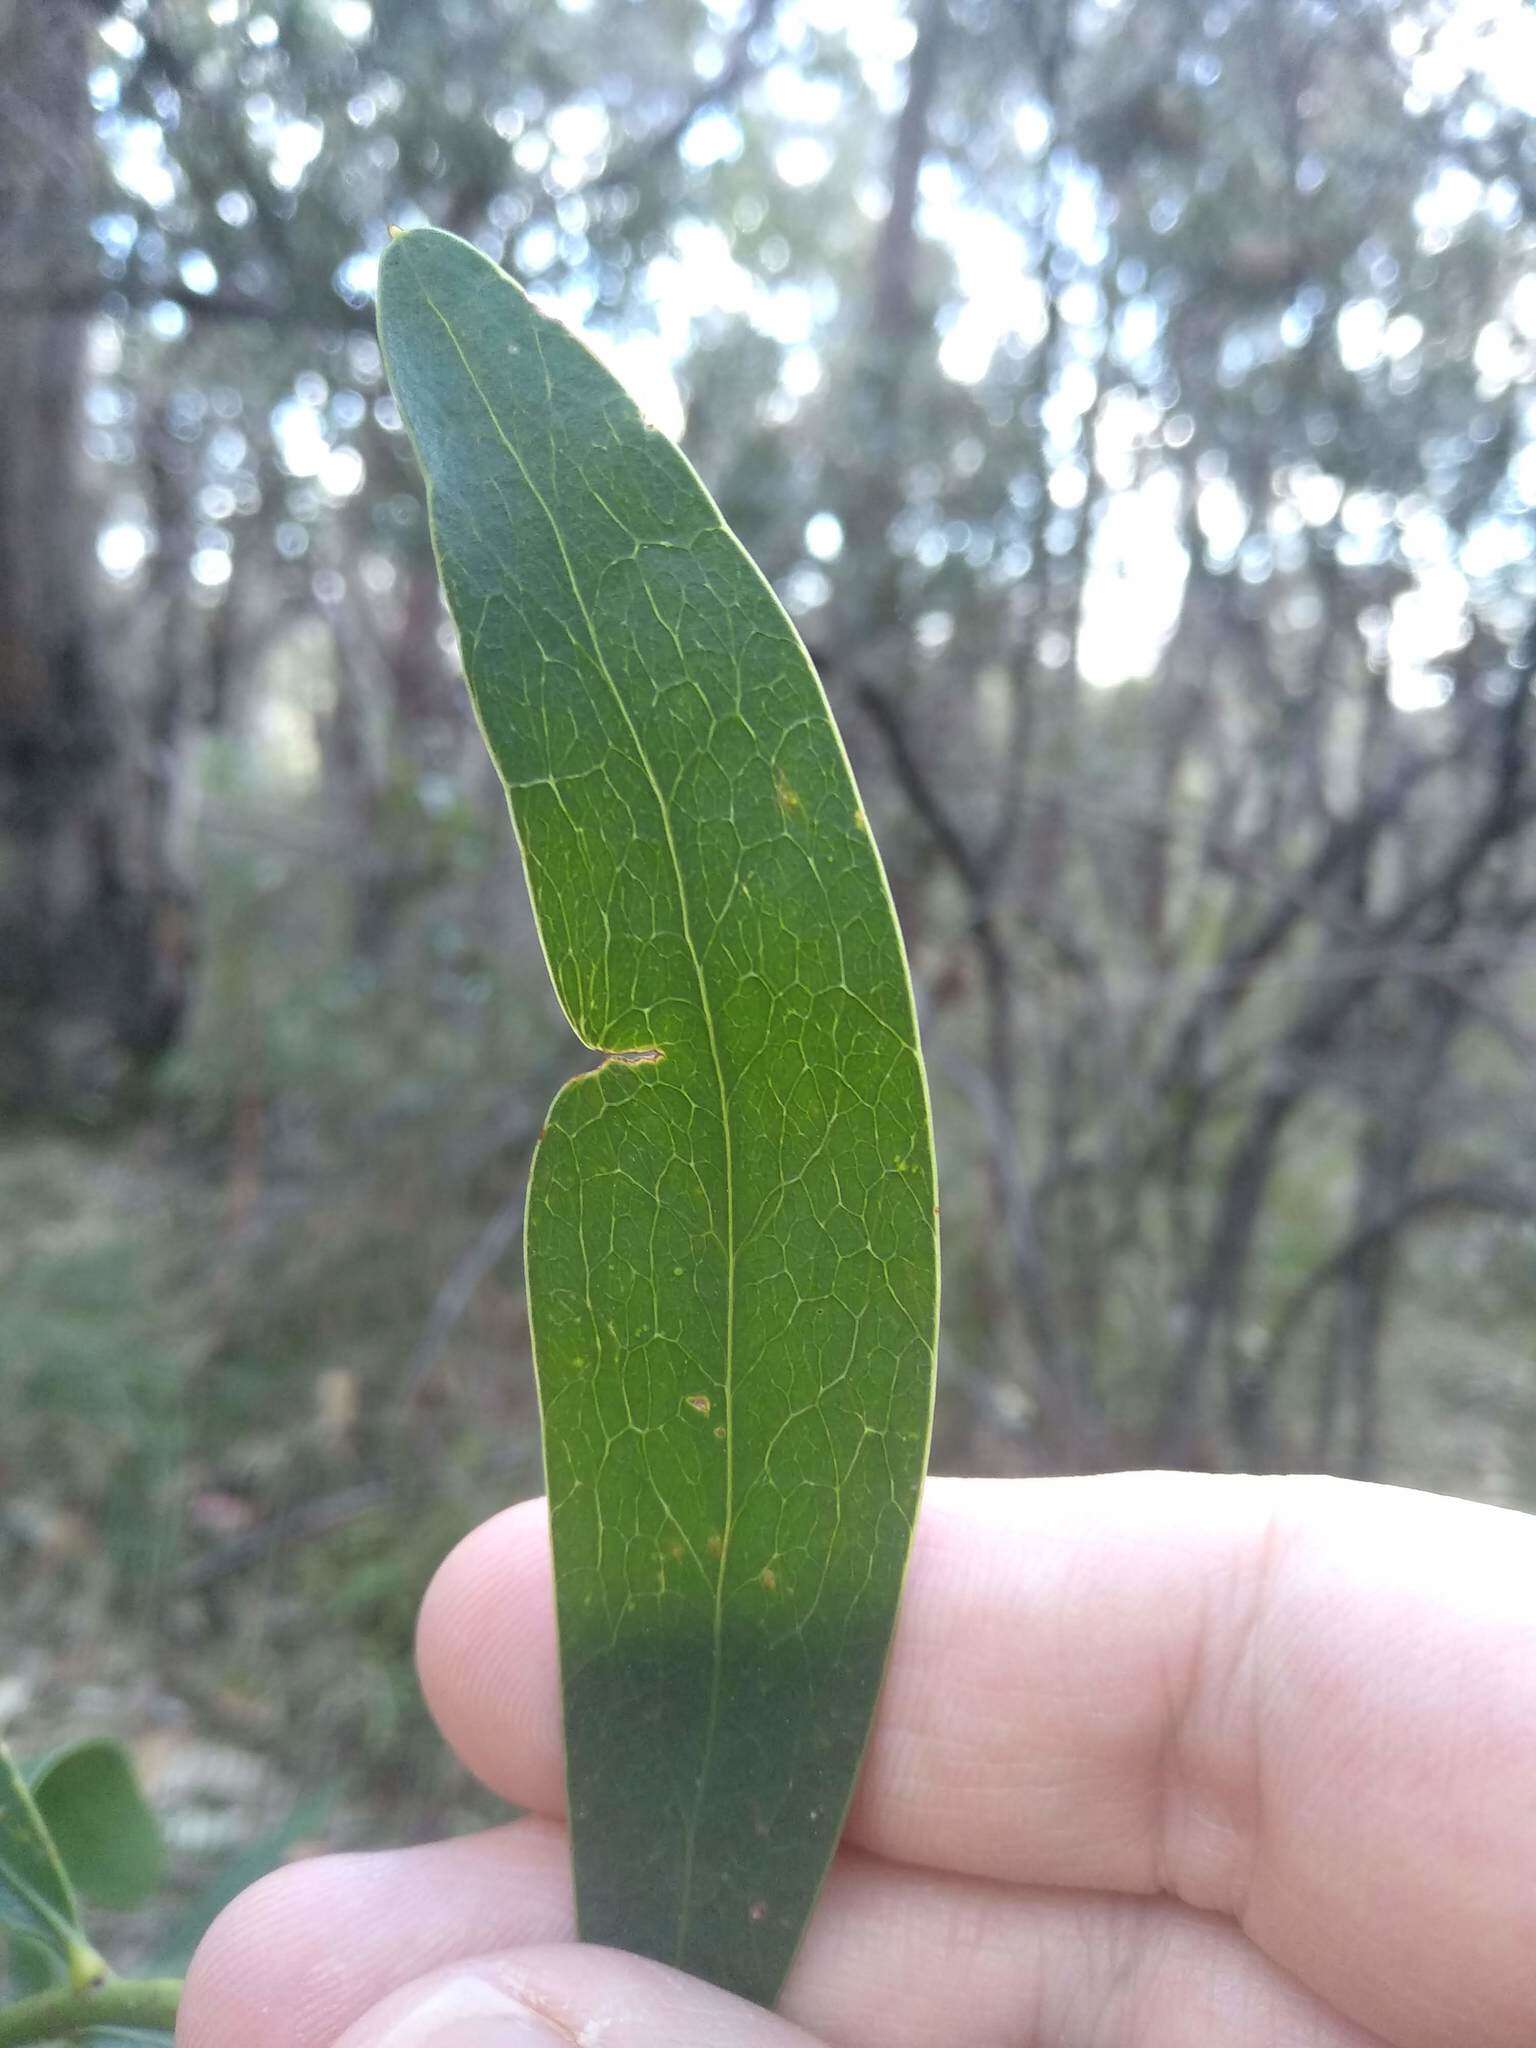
(1161, 1761)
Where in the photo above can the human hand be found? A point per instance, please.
(1161, 1761)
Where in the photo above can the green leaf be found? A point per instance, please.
(731, 1236)
(36, 1898)
(34, 1964)
(105, 1833)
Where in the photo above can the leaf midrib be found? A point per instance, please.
(728, 1374)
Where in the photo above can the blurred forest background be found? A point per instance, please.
(1134, 402)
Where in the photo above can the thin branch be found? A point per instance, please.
(459, 1290)
(306, 1520)
(289, 1525)
(67, 2013)
(738, 67)
(918, 787)
(96, 298)
(1477, 1197)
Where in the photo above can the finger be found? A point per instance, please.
(1300, 1702)
(891, 1958)
(557, 1997)
(310, 1948)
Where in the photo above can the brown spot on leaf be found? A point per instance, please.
(714, 1546)
(757, 1911)
(767, 1580)
(699, 1402)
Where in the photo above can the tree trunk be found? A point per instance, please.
(92, 936)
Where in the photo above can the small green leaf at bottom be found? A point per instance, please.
(34, 1964)
(102, 1827)
(36, 1897)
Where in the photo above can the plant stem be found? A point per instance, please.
(119, 2002)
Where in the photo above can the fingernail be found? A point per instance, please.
(467, 2012)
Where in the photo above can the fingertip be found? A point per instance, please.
(297, 1957)
(558, 1995)
(488, 1658)
(234, 1997)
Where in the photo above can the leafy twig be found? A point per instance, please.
(63, 2014)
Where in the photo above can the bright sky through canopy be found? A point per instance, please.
(1137, 560)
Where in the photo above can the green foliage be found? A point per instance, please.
(106, 1836)
(75, 1825)
(37, 1899)
(732, 1233)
